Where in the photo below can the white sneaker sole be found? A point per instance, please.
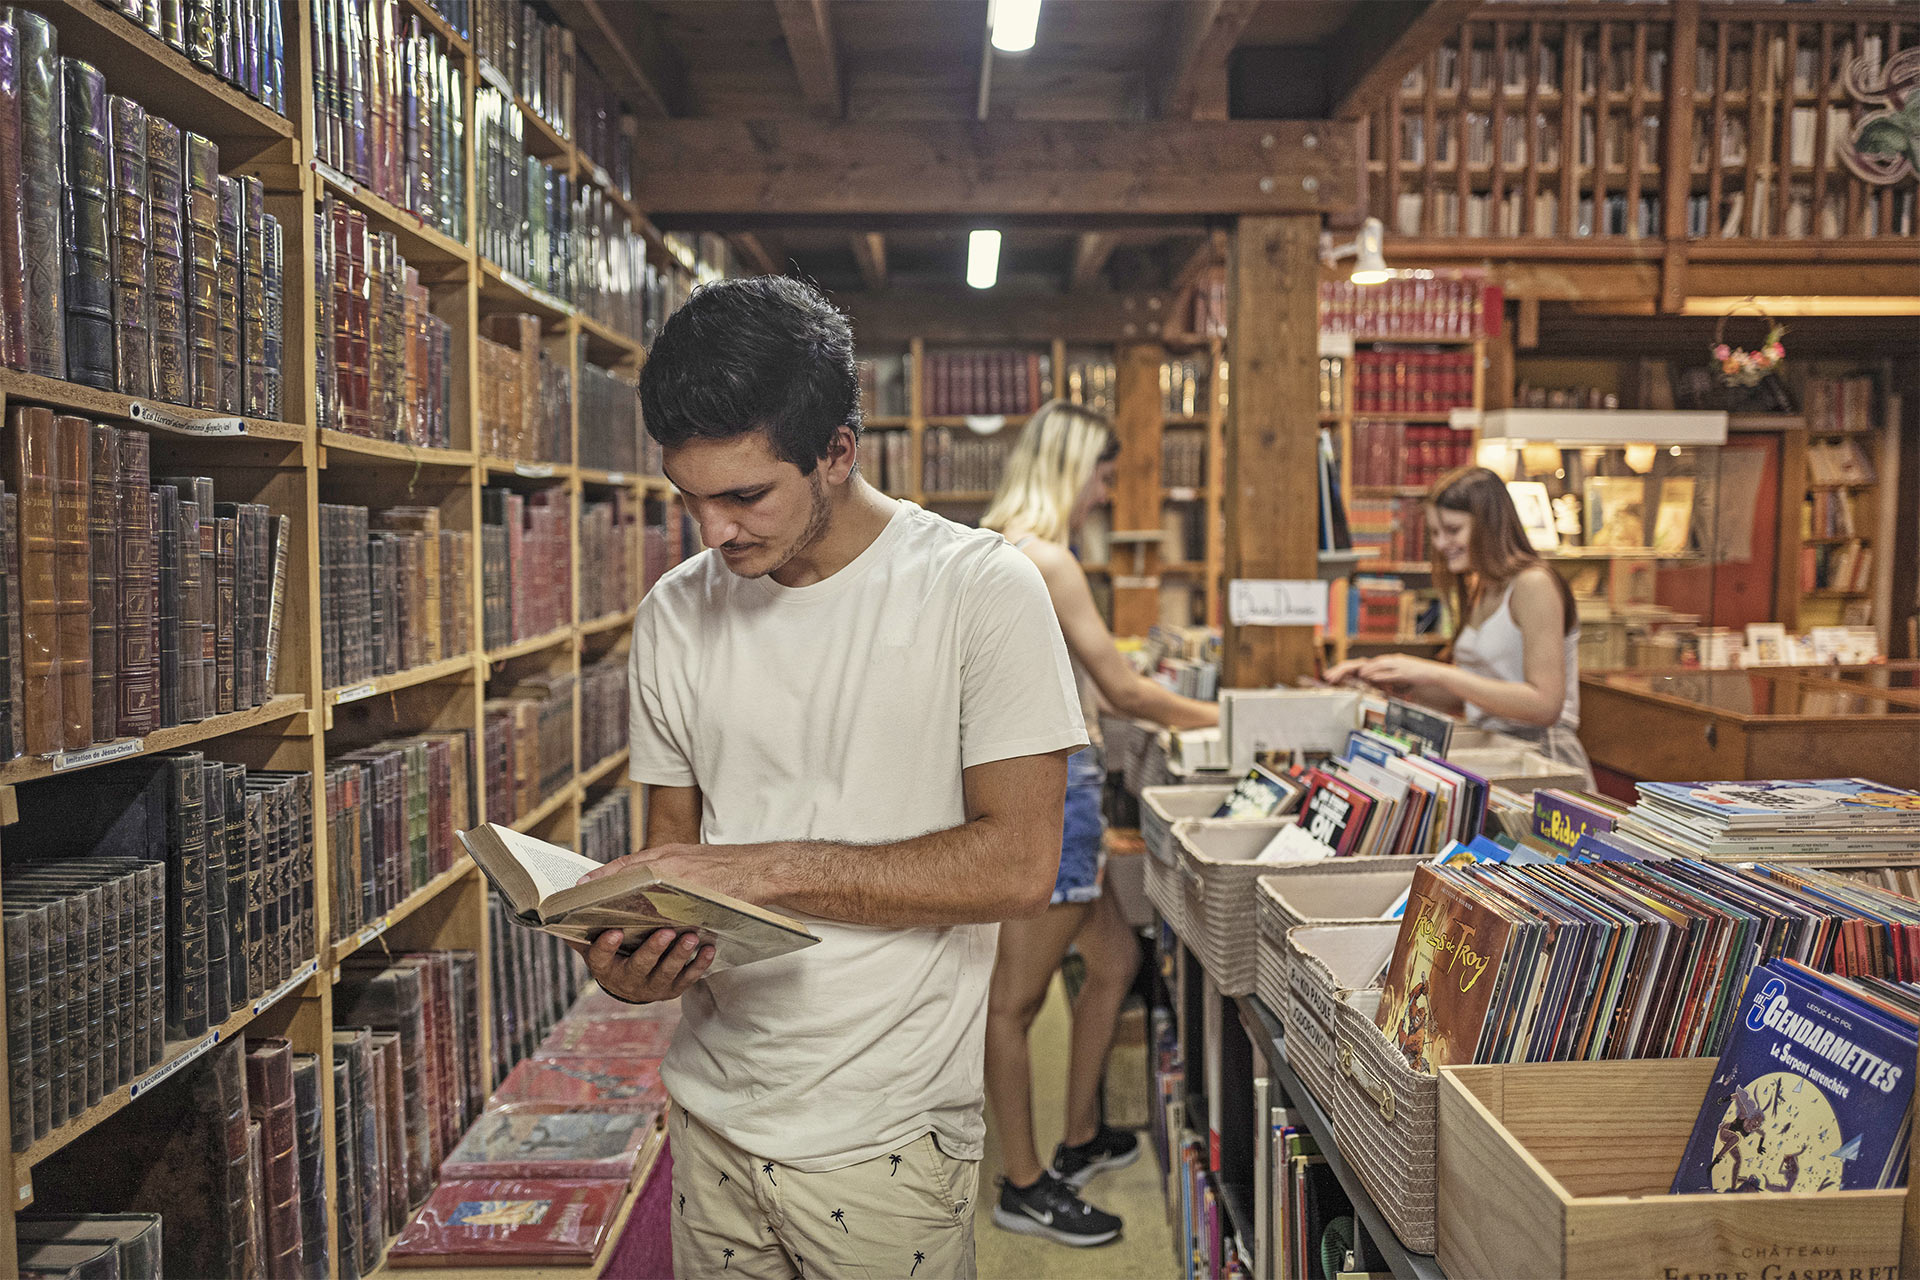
(1021, 1224)
(1098, 1167)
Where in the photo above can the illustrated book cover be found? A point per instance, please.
(541, 1140)
(1445, 970)
(486, 1224)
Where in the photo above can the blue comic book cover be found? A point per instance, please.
(1810, 1094)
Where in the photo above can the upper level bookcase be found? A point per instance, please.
(1543, 125)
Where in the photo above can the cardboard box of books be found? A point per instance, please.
(1564, 1170)
(1337, 891)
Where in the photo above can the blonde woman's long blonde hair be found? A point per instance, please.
(1050, 464)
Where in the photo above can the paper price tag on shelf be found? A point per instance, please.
(616, 477)
(106, 751)
(167, 420)
(167, 1070)
(333, 176)
(305, 971)
(354, 693)
(24, 1193)
(371, 932)
(533, 470)
(1277, 602)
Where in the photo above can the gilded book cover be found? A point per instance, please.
(1445, 968)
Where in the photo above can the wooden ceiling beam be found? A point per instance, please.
(1090, 253)
(1206, 31)
(1382, 41)
(870, 254)
(804, 167)
(809, 33)
(959, 314)
(639, 61)
(749, 246)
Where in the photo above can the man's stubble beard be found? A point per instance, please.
(819, 515)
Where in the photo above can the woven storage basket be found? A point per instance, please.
(1216, 862)
(1384, 1118)
(1121, 742)
(1148, 768)
(1337, 891)
(1324, 964)
(1160, 808)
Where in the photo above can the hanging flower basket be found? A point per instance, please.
(1738, 366)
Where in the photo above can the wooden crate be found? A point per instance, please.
(1562, 1170)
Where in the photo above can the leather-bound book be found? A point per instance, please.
(166, 262)
(214, 795)
(25, 931)
(239, 986)
(225, 545)
(202, 244)
(346, 1166)
(270, 1097)
(388, 999)
(253, 297)
(138, 636)
(187, 909)
(30, 474)
(188, 582)
(368, 1205)
(274, 348)
(202, 31)
(393, 1122)
(166, 514)
(128, 191)
(43, 162)
(88, 248)
(13, 263)
(73, 576)
(103, 532)
(309, 1127)
(232, 232)
(133, 1237)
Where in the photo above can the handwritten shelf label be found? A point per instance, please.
(153, 1078)
(98, 755)
(154, 416)
(354, 693)
(1277, 602)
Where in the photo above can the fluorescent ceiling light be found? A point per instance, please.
(1015, 23)
(983, 258)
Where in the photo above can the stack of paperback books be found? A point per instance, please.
(1776, 816)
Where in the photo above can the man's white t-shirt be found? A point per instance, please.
(845, 711)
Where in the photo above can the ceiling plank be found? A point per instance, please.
(1207, 32)
(806, 167)
(750, 247)
(1379, 44)
(809, 32)
(1090, 253)
(640, 62)
(870, 253)
(959, 314)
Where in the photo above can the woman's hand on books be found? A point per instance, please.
(1398, 670)
(661, 968)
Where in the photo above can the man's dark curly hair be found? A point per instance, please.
(767, 353)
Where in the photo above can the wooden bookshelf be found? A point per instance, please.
(293, 467)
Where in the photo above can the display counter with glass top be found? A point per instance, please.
(1693, 725)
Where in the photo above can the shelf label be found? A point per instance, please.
(1130, 582)
(63, 760)
(533, 470)
(354, 693)
(1336, 345)
(163, 1072)
(24, 1192)
(300, 975)
(547, 299)
(515, 281)
(1183, 493)
(372, 931)
(1277, 602)
(497, 78)
(333, 176)
(602, 177)
(616, 477)
(167, 420)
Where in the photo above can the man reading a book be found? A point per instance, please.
(855, 712)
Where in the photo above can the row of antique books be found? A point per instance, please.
(666, 535)
(886, 459)
(526, 568)
(1401, 380)
(555, 1153)
(393, 591)
(609, 420)
(392, 810)
(1392, 454)
(1468, 307)
(528, 749)
(128, 262)
(959, 460)
(389, 108)
(526, 397)
(606, 826)
(603, 710)
(534, 55)
(130, 606)
(241, 41)
(606, 536)
(985, 382)
(153, 899)
(1183, 458)
(384, 361)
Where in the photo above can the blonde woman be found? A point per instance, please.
(1059, 470)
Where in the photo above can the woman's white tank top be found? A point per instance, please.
(1496, 649)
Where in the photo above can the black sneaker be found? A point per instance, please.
(1110, 1149)
(1051, 1210)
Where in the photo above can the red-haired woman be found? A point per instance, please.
(1514, 662)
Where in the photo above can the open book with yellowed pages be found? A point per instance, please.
(542, 884)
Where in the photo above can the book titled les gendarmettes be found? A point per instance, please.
(542, 885)
(1810, 1094)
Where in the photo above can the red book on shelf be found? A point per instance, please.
(614, 1083)
(611, 1038)
(531, 1222)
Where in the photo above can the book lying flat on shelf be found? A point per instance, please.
(525, 1222)
(541, 883)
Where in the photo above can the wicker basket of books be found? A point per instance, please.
(1337, 891)
(1217, 863)
(1324, 964)
(1160, 808)
(1121, 742)
(1385, 1116)
(1148, 768)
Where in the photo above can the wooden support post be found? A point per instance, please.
(1272, 433)
(1135, 568)
(1526, 328)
